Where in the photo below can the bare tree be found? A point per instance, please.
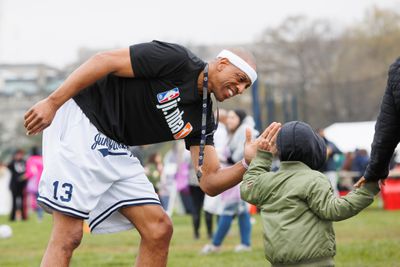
(300, 55)
(337, 76)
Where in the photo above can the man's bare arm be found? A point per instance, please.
(118, 62)
(216, 179)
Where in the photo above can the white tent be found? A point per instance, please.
(349, 136)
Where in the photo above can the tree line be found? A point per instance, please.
(334, 75)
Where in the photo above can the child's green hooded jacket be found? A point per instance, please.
(297, 203)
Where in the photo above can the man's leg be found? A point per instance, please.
(65, 237)
(155, 229)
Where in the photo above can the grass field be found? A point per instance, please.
(370, 239)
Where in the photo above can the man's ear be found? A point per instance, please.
(222, 63)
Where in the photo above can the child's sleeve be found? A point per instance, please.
(322, 201)
(261, 164)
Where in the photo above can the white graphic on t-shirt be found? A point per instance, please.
(173, 115)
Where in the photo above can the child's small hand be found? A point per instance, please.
(362, 181)
(267, 140)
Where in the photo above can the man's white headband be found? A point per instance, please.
(239, 63)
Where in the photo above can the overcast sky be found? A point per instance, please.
(51, 31)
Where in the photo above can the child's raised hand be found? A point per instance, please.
(267, 140)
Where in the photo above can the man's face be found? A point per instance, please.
(229, 80)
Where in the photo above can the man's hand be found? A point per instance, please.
(266, 141)
(40, 116)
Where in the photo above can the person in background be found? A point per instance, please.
(197, 195)
(201, 200)
(33, 173)
(212, 203)
(5, 192)
(17, 168)
(154, 169)
(347, 176)
(330, 166)
(183, 173)
(359, 163)
(232, 205)
(167, 185)
(297, 202)
(175, 178)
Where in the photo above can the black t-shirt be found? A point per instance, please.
(161, 103)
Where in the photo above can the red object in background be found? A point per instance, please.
(391, 194)
(252, 209)
(343, 193)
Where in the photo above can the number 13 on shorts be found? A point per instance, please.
(63, 191)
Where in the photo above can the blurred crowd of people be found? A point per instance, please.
(343, 169)
(24, 171)
(173, 176)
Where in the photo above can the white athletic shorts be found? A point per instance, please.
(88, 175)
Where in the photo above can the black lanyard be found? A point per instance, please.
(204, 122)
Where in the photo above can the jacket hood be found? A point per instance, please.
(297, 141)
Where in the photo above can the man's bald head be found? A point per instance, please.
(244, 54)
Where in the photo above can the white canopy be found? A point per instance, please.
(349, 136)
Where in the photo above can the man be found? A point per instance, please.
(387, 129)
(147, 93)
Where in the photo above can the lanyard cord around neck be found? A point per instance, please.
(203, 122)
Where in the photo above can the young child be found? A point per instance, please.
(297, 202)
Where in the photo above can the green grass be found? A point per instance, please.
(370, 239)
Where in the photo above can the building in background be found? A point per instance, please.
(21, 85)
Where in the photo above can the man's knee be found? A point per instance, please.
(72, 240)
(67, 238)
(159, 231)
(67, 231)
